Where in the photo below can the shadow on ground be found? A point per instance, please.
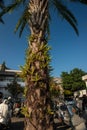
(61, 127)
(17, 124)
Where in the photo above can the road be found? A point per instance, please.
(61, 127)
(17, 123)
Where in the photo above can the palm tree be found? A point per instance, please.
(36, 70)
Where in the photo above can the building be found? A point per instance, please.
(80, 93)
(84, 78)
(6, 77)
(58, 82)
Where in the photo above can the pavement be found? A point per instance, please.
(59, 126)
(17, 123)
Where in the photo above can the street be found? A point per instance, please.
(17, 123)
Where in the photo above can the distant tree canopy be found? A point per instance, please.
(14, 88)
(73, 81)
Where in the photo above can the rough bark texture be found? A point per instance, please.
(38, 97)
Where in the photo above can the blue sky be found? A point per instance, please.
(69, 51)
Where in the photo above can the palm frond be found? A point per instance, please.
(81, 1)
(19, 23)
(48, 30)
(1, 4)
(1, 21)
(24, 1)
(1, 7)
(11, 7)
(66, 14)
(22, 22)
(22, 27)
(71, 23)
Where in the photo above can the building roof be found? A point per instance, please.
(58, 80)
(8, 71)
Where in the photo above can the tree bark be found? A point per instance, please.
(38, 107)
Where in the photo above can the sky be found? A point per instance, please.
(68, 51)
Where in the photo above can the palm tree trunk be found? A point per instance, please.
(38, 115)
(38, 96)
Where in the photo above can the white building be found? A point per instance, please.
(6, 77)
(58, 81)
(84, 78)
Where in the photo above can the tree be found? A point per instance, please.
(14, 88)
(36, 70)
(73, 81)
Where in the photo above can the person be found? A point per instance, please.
(79, 104)
(84, 102)
(1, 97)
(78, 122)
(10, 106)
(4, 112)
